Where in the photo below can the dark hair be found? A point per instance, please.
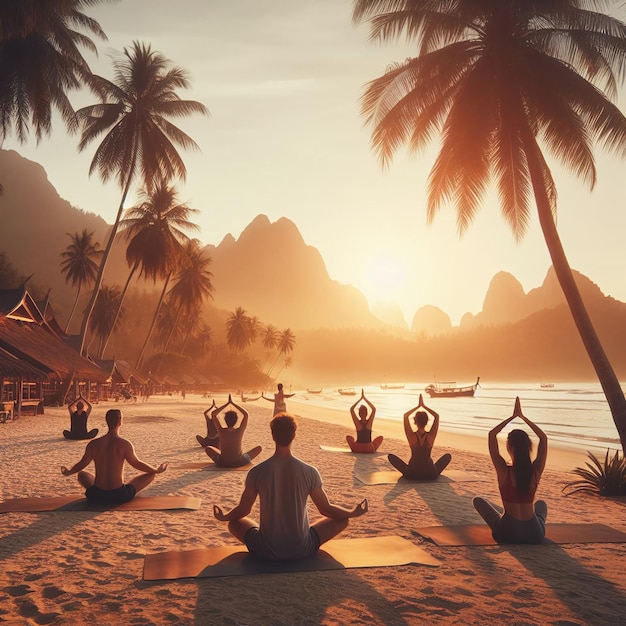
(231, 417)
(421, 418)
(283, 428)
(280, 386)
(79, 405)
(362, 411)
(113, 418)
(520, 445)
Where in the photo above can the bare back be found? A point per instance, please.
(230, 443)
(109, 454)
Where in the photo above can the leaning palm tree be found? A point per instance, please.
(499, 79)
(285, 344)
(154, 230)
(138, 136)
(158, 239)
(193, 283)
(80, 264)
(104, 316)
(41, 61)
(238, 330)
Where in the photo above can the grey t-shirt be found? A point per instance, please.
(284, 485)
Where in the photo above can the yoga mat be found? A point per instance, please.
(389, 477)
(211, 467)
(338, 449)
(78, 503)
(235, 560)
(480, 534)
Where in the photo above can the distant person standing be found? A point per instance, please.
(363, 424)
(230, 452)
(79, 411)
(421, 441)
(280, 406)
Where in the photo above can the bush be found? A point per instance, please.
(603, 479)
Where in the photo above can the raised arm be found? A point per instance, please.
(88, 406)
(324, 506)
(268, 399)
(434, 428)
(542, 449)
(411, 437)
(244, 418)
(353, 415)
(494, 449)
(372, 408)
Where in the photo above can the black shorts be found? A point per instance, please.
(95, 495)
(250, 540)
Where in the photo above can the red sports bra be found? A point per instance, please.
(510, 493)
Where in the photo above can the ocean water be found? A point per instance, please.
(574, 415)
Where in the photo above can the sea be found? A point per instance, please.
(573, 415)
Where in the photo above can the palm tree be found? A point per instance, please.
(285, 344)
(139, 138)
(105, 314)
(496, 78)
(80, 263)
(193, 283)
(158, 240)
(40, 62)
(238, 330)
(154, 229)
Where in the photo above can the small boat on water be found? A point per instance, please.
(314, 390)
(347, 391)
(245, 398)
(547, 385)
(450, 390)
(392, 386)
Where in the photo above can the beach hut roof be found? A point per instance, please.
(38, 345)
(12, 367)
(18, 304)
(122, 372)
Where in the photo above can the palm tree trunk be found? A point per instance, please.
(169, 337)
(73, 309)
(103, 262)
(152, 325)
(601, 364)
(119, 308)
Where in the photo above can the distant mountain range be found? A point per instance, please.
(272, 273)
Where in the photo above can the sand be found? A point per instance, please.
(86, 567)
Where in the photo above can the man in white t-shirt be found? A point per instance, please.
(283, 484)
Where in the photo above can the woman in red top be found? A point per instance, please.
(523, 520)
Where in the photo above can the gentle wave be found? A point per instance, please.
(575, 415)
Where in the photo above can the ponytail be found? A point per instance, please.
(520, 445)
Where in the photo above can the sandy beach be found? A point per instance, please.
(86, 567)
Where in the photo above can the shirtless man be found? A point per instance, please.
(284, 483)
(109, 454)
(230, 453)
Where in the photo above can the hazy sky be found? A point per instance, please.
(283, 79)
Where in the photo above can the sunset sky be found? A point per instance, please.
(282, 80)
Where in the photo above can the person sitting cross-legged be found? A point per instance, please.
(109, 454)
(363, 424)
(421, 441)
(283, 484)
(230, 453)
(79, 411)
(212, 436)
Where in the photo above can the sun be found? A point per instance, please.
(385, 276)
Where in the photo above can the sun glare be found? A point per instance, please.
(385, 276)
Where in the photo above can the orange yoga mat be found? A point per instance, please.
(78, 503)
(480, 534)
(236, 561)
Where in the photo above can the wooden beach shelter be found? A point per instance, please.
(37, 342)
(124, 377)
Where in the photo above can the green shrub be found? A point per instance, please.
(603, 479)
